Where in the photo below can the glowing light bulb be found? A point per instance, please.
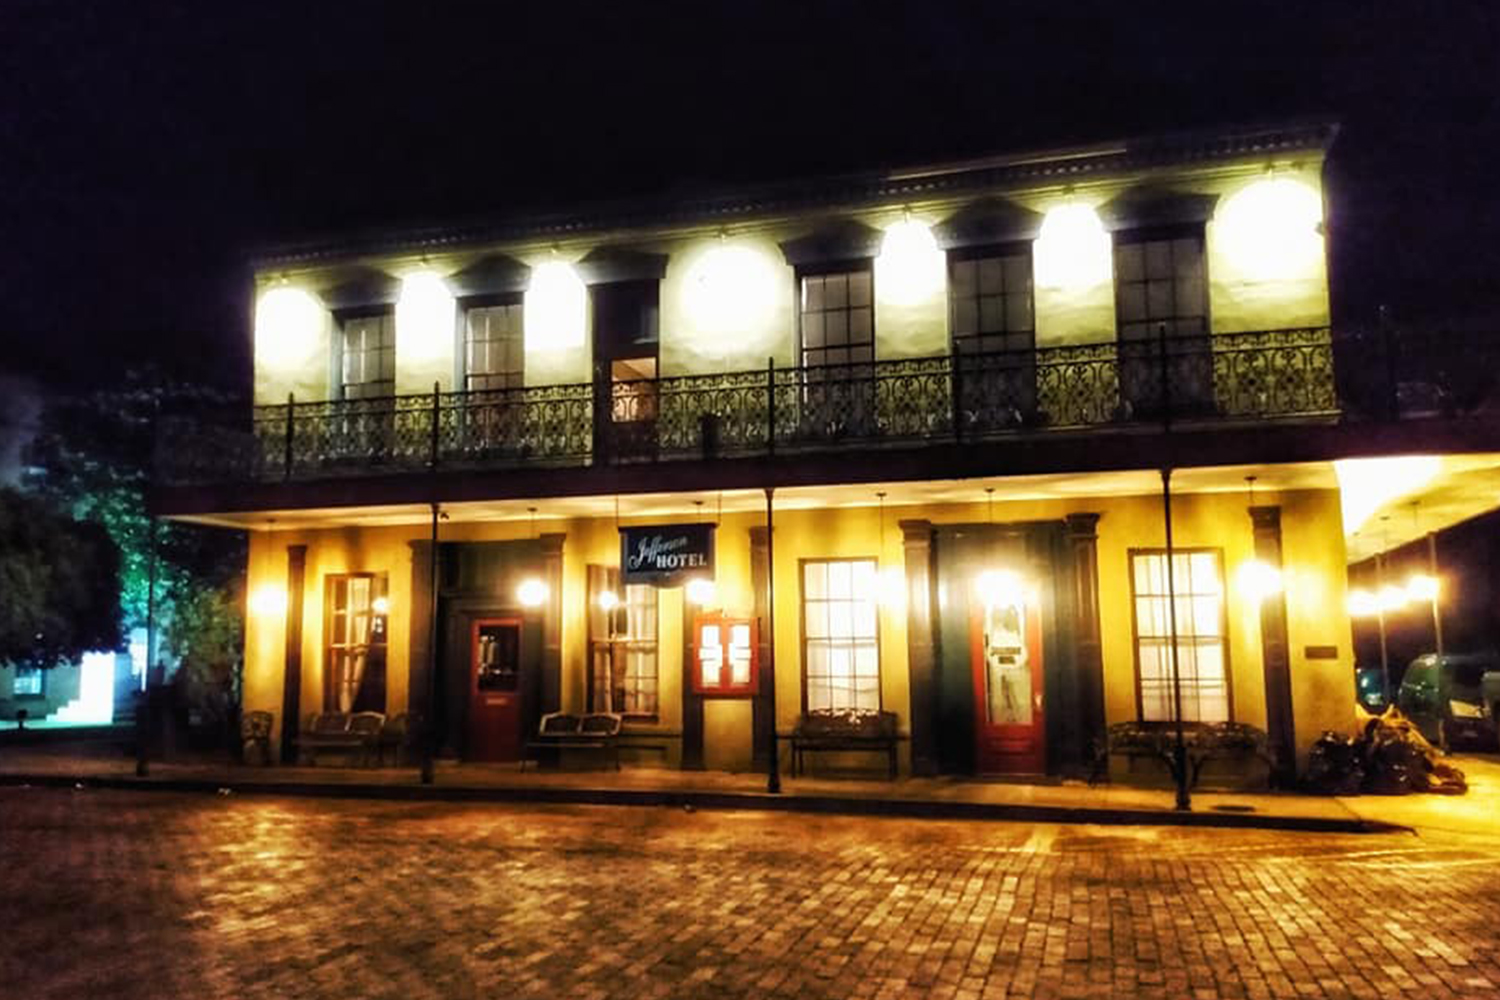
(1391, 597)
(1072, 250)
(532, 593)
(701, 591)
(1422, 587)
(910, 268)
(1363, 604)
(730, 290)
(381, 605)
(556, 307)
(608, 600)
(1259, 580)
(287, 323)
(268, 599)
(1269, 229)
(1001, 588)
(424, 317)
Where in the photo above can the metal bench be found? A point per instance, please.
(569, 731)
(358, 734)
(1203, 741)
(845, 730)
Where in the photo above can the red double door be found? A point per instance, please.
(1005, 649)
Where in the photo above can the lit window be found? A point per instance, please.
(356, 651)
(1202, 668)
(28, 682)
(990, 301)
(367, 345)
(623, 641)
(837, 317)
(494, 348)
(841, 653)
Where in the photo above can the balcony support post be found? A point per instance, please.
(771, 405)
(437, 406)
(768, 674)
(286, 460)
(1179, 750)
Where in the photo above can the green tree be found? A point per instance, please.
(92, 457)
(60, 579)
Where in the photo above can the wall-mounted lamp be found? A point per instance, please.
(268, 599)
(701, 591)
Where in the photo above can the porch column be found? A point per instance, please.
(762, 712)
(1275, 652)
(421, 642)
(921, 659)
(551, 546)
(291, 682)
(1088, 657)
(692, 703)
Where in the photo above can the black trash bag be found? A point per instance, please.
(1335, 765)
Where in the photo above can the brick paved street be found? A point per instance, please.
(119, 894)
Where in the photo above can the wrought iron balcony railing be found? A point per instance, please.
(1270, 375)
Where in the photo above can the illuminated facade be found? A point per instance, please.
(951, 391)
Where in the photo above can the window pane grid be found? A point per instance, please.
(1201, 665)
(841, 658)
(494, 348)
(990, 303)
(837, 318)
(369, 356)
(626, 662)
(1161, 282)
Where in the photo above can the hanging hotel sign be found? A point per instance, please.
(666, 555)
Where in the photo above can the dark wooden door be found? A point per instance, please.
(1005, 634)
(495, 717)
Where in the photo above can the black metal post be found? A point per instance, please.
(437, 406)
(1166, 384)
(773, 766)
(956, 387)
(286, 459)
(771, 405)
(429, 722)
(1184, 801)
(145, 722)
(1385, 666)
(1437, 614)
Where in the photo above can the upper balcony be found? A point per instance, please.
(1275, 395)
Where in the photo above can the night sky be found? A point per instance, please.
(147, 149)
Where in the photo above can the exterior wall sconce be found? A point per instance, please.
(532, 593)
(267, 600)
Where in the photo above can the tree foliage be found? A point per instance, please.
(92, 458)
(60, 581)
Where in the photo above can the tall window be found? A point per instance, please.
(367, 355)
(623, 645)
(840, 649)
(1202, 666)
(356, 631)
(1160, 280)
(494, 348)
(837, 317)
(990, 301)
(27, 683)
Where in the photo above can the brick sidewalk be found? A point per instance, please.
(135, 896)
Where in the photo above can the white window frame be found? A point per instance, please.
(1202, 635)
(840, 634)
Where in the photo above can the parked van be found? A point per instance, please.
(1453, 698)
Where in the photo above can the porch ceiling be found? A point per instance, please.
(1387, 502)
(1292, 476)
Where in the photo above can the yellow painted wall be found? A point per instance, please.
(1323, 690)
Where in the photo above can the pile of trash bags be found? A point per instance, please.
(1388, 757)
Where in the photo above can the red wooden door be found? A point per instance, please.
(1005, 635)
(495, 689)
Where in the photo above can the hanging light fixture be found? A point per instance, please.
(533, 592)
(890, 582)
(1256, 577)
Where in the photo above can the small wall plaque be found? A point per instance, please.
(1321, 652)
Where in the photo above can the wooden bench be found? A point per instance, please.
(845, 730)
(568, 731)
(1203, 741)
(357, 733)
